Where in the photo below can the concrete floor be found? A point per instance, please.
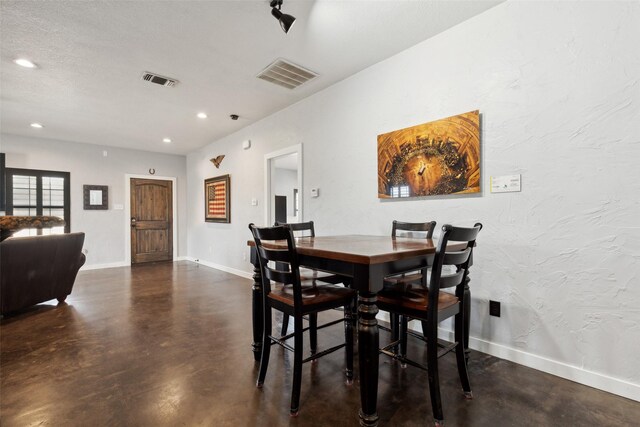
(170, 345)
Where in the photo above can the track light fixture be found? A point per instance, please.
(286, 21)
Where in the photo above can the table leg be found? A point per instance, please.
(368, 345)
(467, 318)
(257, 308)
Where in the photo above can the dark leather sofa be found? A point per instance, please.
(38, 269)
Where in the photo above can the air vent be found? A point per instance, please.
(286, 74)
(159, 80)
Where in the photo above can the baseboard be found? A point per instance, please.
(553, 367)
(224, 268)
(101, 266)
(122, 264)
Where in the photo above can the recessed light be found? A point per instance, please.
(166, 140)
(25, 63)
(36, 125)
(202, 115)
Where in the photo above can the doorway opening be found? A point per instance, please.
(283, 185)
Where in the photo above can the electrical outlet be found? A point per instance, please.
(494, 308)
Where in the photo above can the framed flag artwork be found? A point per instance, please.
(217, 206)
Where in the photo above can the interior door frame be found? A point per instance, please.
(268, 170)
(127, 213)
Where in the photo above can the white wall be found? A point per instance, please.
(557, 86)
(104, 229)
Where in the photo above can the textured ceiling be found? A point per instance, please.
(91, 56)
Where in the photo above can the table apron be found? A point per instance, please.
(366, 277)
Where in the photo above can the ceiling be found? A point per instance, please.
(91, 56)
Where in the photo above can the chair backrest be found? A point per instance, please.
(413, 229)
(300, 229)
(459, 259)
(278, 264)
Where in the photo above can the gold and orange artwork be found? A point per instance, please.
(435, 158)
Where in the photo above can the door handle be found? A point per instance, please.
(133, 222)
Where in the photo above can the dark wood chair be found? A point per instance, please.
(297, 298)
(427, 303)
(307, 229)
(417, 230)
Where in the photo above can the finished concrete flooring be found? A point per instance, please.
(170, 345)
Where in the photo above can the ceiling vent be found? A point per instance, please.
(286, 74)
(159, 80)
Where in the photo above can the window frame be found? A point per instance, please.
(39, 174)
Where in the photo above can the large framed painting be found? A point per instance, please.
(435, 158)
(217, 206)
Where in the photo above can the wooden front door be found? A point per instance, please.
(151, 220)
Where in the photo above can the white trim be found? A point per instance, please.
(226, 269)
(267, 180)
(564, 370)
(105, 265)
(127, 212)
(121, 264)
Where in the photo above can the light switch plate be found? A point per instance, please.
(254, 202)
(315, 192)
(506, 183)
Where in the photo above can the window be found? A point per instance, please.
(36, 192)
(400, 191)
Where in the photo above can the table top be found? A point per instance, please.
(361, 249)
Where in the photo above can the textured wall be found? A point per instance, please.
(557, 86)
(104, 230)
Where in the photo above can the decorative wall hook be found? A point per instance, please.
(217, 160)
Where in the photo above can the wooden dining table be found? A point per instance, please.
(367, 260)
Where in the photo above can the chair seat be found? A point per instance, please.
(399, 280)
(415, 299)
(310, 274)
(313, 295)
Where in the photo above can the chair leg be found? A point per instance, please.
(434, 379)
(354, 312)
(266, 346)
(395, 329)
(461, 355)
(424, 328)
(348, 339)
(297, 367)
(404, 326)
(285, 324)
(313, 333)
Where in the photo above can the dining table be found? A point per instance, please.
(366, 261)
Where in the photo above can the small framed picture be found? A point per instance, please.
(217, 199)
(96, 197)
